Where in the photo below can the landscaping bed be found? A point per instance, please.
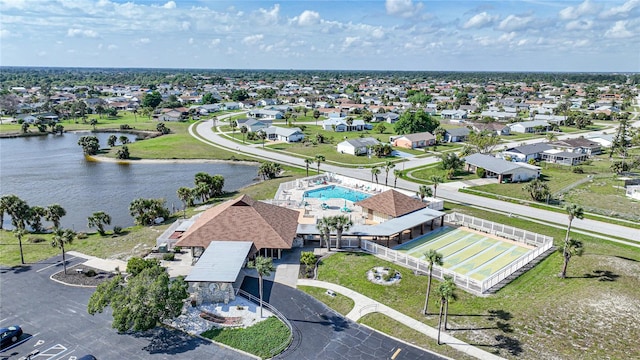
(87, 277)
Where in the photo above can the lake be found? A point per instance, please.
(51, 169)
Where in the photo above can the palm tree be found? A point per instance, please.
(19, 233)
(424, 191)
(262, 135)
(388, 166)
(98, 220)
(396, 175)
(316, 115)
(264, 267)
(243, 130)
(433, 258)
(308, 162)
(446, 293)
(573, 211)
(234, 125)
(185, 195)
(340, 223)
(436, 180)
(324, 226)
(549, 136)
(54, 213)
(573, 247)
(60, 238)
(375, 171)
(319, 159)
(112, 140)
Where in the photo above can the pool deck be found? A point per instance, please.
(291, 195)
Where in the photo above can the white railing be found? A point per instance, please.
(282, 346)
(541, 243)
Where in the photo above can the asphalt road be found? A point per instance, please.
(321, 333)
(55, 321)
(203, 129)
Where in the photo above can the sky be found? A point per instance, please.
(445, 35)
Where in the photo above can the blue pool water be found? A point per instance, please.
(336, 192)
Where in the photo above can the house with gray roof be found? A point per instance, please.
(276, 133)
(266, 114)
(527, 127)
(524, 153)
(578, 146)
(253, 125)
(456, 134)
(504, 171)
(359, 146)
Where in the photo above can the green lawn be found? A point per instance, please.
(339, 303)
(423, 174)
(262, 339)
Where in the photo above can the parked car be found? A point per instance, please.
(9, 335)
(87, 357)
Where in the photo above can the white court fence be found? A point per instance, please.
(540, 242)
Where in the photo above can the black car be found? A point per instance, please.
(9, 335)
(88, 357)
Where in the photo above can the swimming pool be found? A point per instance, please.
(336, 192)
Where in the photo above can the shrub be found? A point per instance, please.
(117, 230)
(125, 127)
(577, 170)
(35, 240)
(82, 235)
(135, 265)
(307, 258)
(177, 250)
(391, 273)
(169, 257)
(481, 172)
(90, 273)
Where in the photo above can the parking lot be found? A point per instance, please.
(57, 326)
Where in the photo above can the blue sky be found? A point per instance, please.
(348, 35)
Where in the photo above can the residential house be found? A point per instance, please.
(578, 146)
(276, 133)
(551, 119)
(237, 220)
(230, 106)
(413, 141)
(358, 146)
(499, 115)
(266, 114)
(171, 115)
(504, 171)
(533, 126)
(561, 157)
(343, 124)
(605, 140)
(253, 125)
(266, 102)
(524, 153)
(389, 117)
(492, 128)
(454, 114)
(456, 134)
(27, 118)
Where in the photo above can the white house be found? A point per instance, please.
(266, 114)
(276, 133)
(504, 171)
(341, 124)
(358, 146)
(253, 125)
(533, 126)
(454, 114)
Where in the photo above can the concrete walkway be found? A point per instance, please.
(98, 263)
(364, 305)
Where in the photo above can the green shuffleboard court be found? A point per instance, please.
(465, 252)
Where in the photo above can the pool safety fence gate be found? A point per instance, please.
(478, 287)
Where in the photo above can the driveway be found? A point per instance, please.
(55, 321)
(321, 333)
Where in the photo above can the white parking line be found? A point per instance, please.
(16, 344)
(51, 352)
(56, 264)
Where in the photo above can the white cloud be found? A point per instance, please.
(268, 17)
(619, 31)
(190, 41)
(170, 5)
(112, 47)
(143, 41)
(579, 25)
(252, 39)
(349, 40)
(81, 33)
(4, 33)
(480, 20)
(514, 23)
(308, 17)
(574, 12)
(377, 33)
(622, 10)
(214, 42)
(507, 36)
(185, 25)
(403, 8)
(18, 4)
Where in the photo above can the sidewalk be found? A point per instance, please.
(98, 263)
(364, 305)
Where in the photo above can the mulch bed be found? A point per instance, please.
(73, 277)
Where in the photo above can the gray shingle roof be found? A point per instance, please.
(491, 163)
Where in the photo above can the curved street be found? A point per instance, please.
(203, 132)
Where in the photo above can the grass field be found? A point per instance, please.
(467, 253)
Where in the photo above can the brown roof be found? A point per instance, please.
(244, 219)
(392, 203)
